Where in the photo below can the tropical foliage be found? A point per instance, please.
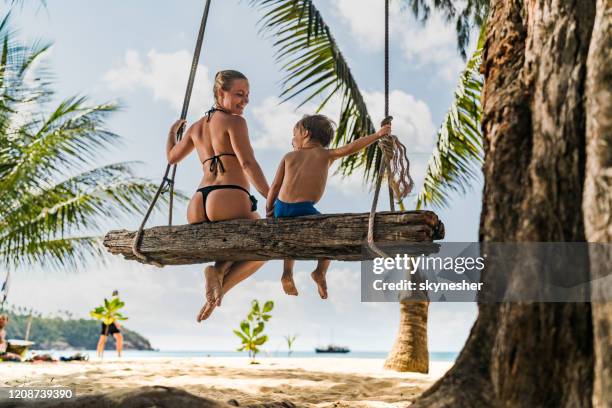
(315, 69)
(109, 313)
(252, 327)
(458, 155)
(50, 190)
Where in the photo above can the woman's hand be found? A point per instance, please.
(384, 131)
(176, 126)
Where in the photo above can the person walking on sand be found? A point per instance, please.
(113, 329)
(221, 141)
(301, 178)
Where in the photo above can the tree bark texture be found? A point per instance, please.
(597, 203)
(535, 65)
(410, 351)
(334, 236)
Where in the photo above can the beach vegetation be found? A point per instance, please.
(290, 339)
(251, 329)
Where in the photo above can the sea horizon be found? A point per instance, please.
(445, 356)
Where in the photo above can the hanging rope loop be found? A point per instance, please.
(169, 177)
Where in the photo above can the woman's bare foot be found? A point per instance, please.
(213, 286)
(206, 311)
(319, 278)
(289, 285)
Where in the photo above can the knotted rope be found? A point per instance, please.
(394, 159)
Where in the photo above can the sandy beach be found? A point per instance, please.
(306, 382)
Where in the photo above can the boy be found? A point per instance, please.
(301, 178)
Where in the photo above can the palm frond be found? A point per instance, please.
(59, 254)
(86, 200)
(458, 154)
(316, 69)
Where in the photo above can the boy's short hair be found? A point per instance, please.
(320, 127)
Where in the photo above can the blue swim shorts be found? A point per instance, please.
(283, 209)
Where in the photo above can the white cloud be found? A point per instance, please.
(164, 74)
(431, 44)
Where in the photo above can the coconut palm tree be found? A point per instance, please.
(315, 69)
(51, 191)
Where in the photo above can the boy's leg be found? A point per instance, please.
(318, 275)
(287, 278)
(119, 343)
(238, 272)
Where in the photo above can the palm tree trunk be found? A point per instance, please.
(410, 352)
(535, 65)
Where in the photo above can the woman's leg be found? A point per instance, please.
(101, 344)
(214, 276)
(119, 343)
(238, 272)
(226, 204)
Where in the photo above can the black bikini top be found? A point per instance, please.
(215, 162)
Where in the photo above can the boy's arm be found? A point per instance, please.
(360, 143)
(275, 188)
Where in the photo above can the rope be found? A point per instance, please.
(165, 179)
(394, 161)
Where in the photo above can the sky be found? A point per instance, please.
(138, 53)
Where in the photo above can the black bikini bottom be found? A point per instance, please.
(209, 189)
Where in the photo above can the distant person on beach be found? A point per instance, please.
(5, 355)
(221, 141)
(113, 329)
(301, 178)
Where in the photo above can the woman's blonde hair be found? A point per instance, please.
(224, 80)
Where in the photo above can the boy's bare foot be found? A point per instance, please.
(213, 286)
(206, 311)
(289, 285)
(319, 279)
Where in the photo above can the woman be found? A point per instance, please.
(114, 329)
(221, 140)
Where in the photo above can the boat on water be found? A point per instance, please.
(332, 349)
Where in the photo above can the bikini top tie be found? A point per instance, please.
(216, 164)
(209, 113)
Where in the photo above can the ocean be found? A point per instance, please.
(433, 356)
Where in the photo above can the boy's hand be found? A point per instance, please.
(270, 212)
(384, 131)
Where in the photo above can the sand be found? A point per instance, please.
(307, 382)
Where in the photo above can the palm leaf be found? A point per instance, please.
(458, 154)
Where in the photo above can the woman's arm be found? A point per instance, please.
(275, 188)
(239, 137)
(360, 143)
(175, 152)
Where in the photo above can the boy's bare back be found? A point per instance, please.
(305, 174)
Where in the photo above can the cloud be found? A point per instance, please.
(164, 74)
(431, 44)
